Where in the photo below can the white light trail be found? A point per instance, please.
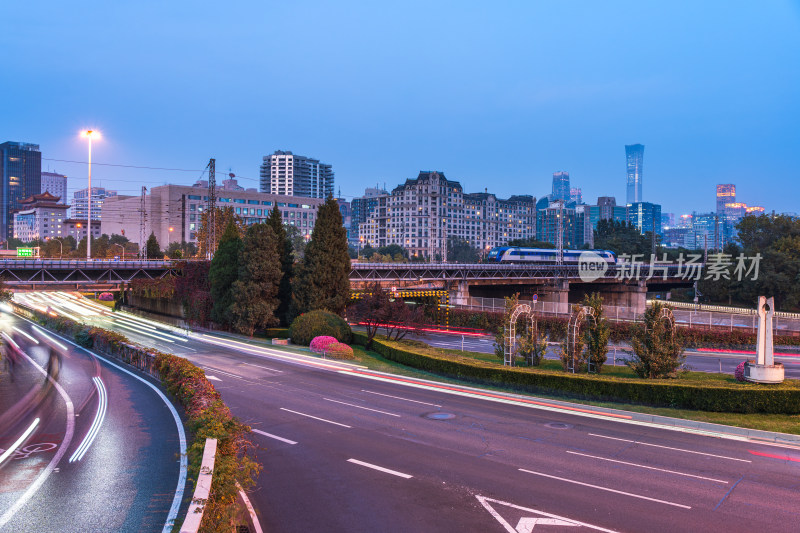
(19, 441)
(48, 337)
(96, 423)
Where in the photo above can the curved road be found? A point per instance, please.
(348, 449)
(126, 478)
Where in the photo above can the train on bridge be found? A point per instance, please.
(543, 256)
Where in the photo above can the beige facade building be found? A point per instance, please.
(172, 212)
(423, 213)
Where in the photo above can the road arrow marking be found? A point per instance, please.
(526, 524)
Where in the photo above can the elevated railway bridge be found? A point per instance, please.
(624, 285)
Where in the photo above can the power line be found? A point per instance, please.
(124, 166)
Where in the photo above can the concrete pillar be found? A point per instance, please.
(631, 297)
(459, 295)
(554, 298)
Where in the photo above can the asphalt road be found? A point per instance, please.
(126, 479)
(347, 449)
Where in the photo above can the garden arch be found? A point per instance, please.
(511, 331)
(580, 315)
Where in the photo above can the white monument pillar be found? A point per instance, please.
(764, 370)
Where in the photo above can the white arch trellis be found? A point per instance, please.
(509, 347)
(576, 320)
(666, 315)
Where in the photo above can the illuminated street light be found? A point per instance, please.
(89, 134)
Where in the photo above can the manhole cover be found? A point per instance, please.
(558, 425)
(440, 416)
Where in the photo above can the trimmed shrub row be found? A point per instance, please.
(206, 413)
(745, 398)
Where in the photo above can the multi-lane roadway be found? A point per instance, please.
(89, 447)
(349, 449)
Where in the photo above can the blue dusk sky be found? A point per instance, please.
(497, 95)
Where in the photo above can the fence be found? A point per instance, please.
(690, 315)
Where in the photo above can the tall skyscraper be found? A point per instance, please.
(20, 177)
(55, 184)
(294, 175)
(561, 188)
(576, 195)
(634, 157)
(726, 194)
(645, 216)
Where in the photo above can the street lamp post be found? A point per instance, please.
(123, 250)
(89, 134)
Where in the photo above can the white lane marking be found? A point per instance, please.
(647, 467)
(18, 330)
(214, 378)
(615, 491)
(28, 494)
(359, 407)
(315, 417)
(94, 429)
(212, 369)
(264, 367)
(670, 448)
(270, 435)
(13, 448)
(400, 398)
(485, 502)
(380, 468)
(176, 501)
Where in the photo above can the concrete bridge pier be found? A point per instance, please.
(459, 293)
(555, 296)
(631, 295)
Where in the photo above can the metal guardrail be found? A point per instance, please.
(724, 309)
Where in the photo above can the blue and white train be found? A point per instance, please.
(545, 256)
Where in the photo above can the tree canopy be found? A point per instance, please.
(323, 279)
(224, 271)
(284, 247)
(255, 292)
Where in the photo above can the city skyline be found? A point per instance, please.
(534, 110)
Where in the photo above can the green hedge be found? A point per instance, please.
(741, 398)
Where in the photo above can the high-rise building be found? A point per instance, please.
(645, 216)
(20, 177)
(561, 188)
(667, 220)
(557, 217)
(576, 195)
(361, 209)
(55, 184)
(607, 209)
(726, 194)
(284, 173)
(80, 203)
(634, 158)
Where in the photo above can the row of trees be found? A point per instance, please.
(657, 347)
(104, 247)
(256, 280)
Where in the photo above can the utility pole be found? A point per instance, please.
(211, 234)
(560, 233)
(653, 236)
(143, 224)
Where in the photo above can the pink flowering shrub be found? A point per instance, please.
(739, 372)
(106, 297)
(321, 343)
(330, 347)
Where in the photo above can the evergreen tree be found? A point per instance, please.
(598, 332)
(323, 279)
(224, 271)
(284, 247)
(255, 293)
(152, 247)
(658, 352)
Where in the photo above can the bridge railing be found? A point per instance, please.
(83, 263)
